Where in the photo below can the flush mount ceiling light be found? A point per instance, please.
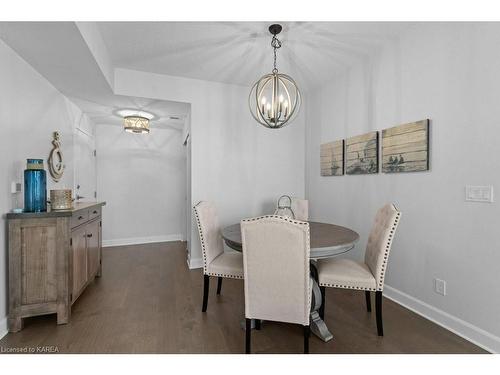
(135, 121)
(136, 124)
(275, 98)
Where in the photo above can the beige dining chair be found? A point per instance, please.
(276, 268)
(300, 208)
(216, 262)
(368, 275)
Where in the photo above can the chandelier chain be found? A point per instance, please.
(275, 43)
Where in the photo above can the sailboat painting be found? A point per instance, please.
(361, 154)
(332, 158)
(405, 148)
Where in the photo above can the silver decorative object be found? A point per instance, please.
(275, 99)
(285, 207)
(61, 199)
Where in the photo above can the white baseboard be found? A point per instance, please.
(456, 325)
(3, 327)
(195, 263)
(141, 240)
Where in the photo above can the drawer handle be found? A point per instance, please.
(95, 212)
(89, 235)
(80, 217)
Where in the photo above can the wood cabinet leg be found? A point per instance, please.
(16, 324)
(63, 314)
(99, 269)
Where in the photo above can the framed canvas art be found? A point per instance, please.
(405, 148)
(332, 158)
(361, 154)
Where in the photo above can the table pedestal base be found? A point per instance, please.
(319, 328)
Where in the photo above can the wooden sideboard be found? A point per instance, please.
(53, 256)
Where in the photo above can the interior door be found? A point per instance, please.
(189, 209)
(85, 167)
(93, 248)
(79, 252)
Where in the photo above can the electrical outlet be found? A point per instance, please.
(440, 286)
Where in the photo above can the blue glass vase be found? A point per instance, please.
(35, 186)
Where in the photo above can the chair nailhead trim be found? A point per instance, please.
(387, 250)
(202, 239)
(347, 287)
(227, 276)
(283, 218)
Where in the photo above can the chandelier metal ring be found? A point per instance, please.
(274, 99)
(259, 112)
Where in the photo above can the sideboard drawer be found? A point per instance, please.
(79, 218)
(94, 212)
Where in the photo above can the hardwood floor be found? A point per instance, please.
(148, 301)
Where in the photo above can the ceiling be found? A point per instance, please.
(229, 52)
(167, 114)
(58, 52)
(240, 52)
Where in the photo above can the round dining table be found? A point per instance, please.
(326, 241)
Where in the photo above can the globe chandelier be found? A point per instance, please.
(275, 98)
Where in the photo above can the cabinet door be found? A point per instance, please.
(93, 250)
(79, 249)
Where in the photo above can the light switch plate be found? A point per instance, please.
(479, 193)
(15, 187)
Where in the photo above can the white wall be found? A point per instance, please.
(449, 74)
(30, 110)
(142, 177)
(240, 165)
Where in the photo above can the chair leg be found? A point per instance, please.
(219, 285)
(323, 302)
(206, 284)
(248, 335)
(378, 309)
(257, 324)
(368, 301)
(307, 333)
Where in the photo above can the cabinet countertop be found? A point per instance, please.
(55, 213)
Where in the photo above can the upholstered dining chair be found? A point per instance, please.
(276, 268)
(368, 275)
(300, 208)
(216, 262)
